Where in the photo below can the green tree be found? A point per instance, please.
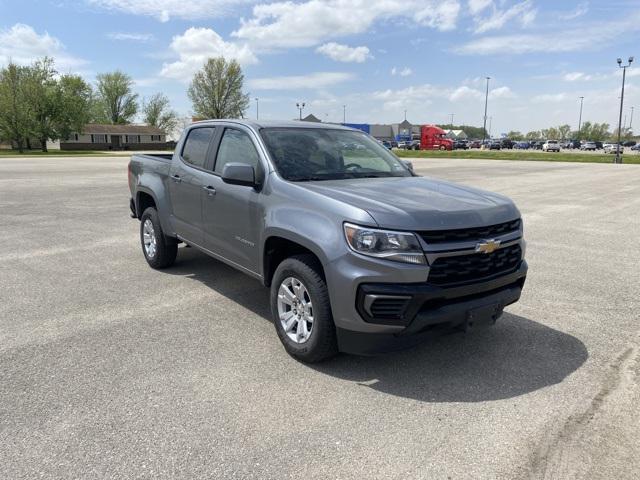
(15, 114)
(41, 90)
(515, 135)
(157, 113)
(115, 103)
(564, 131)
(216, 90)
(75, 97)
(533, 135)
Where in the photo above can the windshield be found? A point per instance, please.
(306, 154)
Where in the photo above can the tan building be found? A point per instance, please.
(115, 137)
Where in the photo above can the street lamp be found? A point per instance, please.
(580, 117)
(624, 73)
(486, 99)
(300, 108)
(257, 109)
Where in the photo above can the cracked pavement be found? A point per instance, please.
(109, 369)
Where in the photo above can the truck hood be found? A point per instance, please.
(419, 203)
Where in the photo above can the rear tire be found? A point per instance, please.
(299, 293)
(442, 147)
(159, 250)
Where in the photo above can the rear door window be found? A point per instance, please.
(195, 147)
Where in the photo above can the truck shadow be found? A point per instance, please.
(515, 357)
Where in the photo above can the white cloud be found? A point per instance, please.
(576, 76)
(441, 15)
(524, 13)
(549, 98)
(296, 82)
(195, 46)
(579, 11)
(344, 53)
(131, 36)
(584, 38)
(405, 72)
(23, 45)
(288, 24)
(164, 10)
(501, 92)
(464, 93)
(476, 6)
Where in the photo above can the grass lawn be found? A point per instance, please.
(520, 155)
(59, 153)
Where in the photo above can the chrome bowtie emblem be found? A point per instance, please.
(488, 246)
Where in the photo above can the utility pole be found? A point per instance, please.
(405, 115)
(451, 123)
(580, 117)
(300, 106)
(624, 73)
(257, 110)
(486, 99)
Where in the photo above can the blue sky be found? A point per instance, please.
(378, 57)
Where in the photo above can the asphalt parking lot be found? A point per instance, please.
(109, 369)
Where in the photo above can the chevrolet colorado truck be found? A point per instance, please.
(361, 255)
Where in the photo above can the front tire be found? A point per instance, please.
(301, 310)
(159, 250)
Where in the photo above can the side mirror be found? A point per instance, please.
(239, 174)
(408, 164)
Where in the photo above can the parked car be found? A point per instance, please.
(475, 144)
(386, 144)
(413, 145)
(599, 145)
(506, 143)
(345, 261)
(460, 145)
(537, 145)
(613, 148)
(588, 146)
(521, 145)
(629, 143)
(551, 146)
(636, 147)
(402, 145)
(494, 145)
(573, 144)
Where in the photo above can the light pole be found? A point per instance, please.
(300, 108)
(451, 115)
(486, 99)
(580, 117)
(257, 110)
(405, 115)
(631, 119)
(490, 121)
(344, 114)
(624, 73)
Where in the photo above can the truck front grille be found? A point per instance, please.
(470, 234)
(475, 267)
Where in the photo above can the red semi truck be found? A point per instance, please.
(434, 138)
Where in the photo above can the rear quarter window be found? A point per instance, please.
(194, 151)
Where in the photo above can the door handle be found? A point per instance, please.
(176, 178)
(210, 190)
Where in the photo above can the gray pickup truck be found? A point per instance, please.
(361, 254)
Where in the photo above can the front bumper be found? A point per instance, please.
(428, 309)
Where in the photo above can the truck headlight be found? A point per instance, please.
(397, 246)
